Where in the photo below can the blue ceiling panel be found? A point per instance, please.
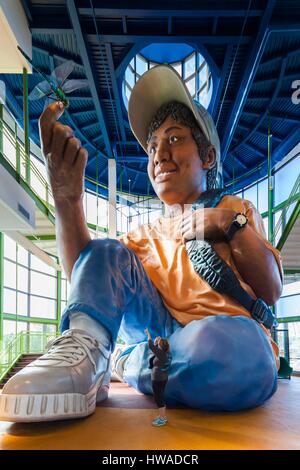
(253, 47)
(163, 53)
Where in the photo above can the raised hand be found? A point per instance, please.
(65, 157)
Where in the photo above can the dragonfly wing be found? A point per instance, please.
(40, 90)
(61, 73)
(72, 85)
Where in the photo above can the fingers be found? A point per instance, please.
(61, 135)
(72, 147)
(81, 160)
(192, 225)
(46, 123)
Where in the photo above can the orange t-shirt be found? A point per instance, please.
(161, 249)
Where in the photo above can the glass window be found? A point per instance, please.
(22, 326)
(191, 86)
(294, 340)
(290, 211)
(290, 289)
(10, 248)
(189, 66)
(22, 256)
(22, 279)
(102, 213)
(39, 265)
(9, 301)
(178, 68)
(285, 179)
(36, 327)
(42, 308)
(9, 331)
(263, 196)
(37, 184)
(127, 92)
(64, 289)
(200, 60)
(41, 284)
(9, 149)
(91, 208)
(10, 275)
(40, 167)
(129, 76)
(22, 304)
(141, 65)
(251, 194)
(203, 75)
(288, 306)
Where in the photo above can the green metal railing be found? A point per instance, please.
(282, 221)
(13, 151)
(23, 343)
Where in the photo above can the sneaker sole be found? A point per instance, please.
(51, 407)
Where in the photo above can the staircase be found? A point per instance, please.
(291, 249)
(22, 362)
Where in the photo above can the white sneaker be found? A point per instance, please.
(64, 383)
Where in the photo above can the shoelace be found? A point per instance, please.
(70, 346)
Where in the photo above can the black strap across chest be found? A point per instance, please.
(216, 272)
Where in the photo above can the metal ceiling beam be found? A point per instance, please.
(204, 39)
(253, 148)
(285, 117)
(89, 126)
(82, 111)
(88, 71)
(268, 106)
(248, 76)
(118, 13)
(260, 132)
(115, 90)
(216, 97)
(133, 159)
(286, 146)
(288, 76)
(57, 56)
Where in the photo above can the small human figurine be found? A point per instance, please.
(160, 365)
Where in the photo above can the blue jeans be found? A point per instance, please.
(218, 363)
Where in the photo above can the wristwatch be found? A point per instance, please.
(239, 221)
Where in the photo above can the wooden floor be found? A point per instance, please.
(124, 422)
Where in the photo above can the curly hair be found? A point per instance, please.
(183, 115)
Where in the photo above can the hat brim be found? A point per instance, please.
(157, 87)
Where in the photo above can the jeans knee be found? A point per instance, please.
(105, 250)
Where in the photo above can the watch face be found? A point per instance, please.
(241, 219)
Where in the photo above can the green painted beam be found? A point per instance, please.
(41, 237)
(291, 271)
(11, 316)
(1, 284)
(288, 319)
(58, 300)
(289, 226)
(26, 123)
(282, 205)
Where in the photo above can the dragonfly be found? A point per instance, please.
(56, 86)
